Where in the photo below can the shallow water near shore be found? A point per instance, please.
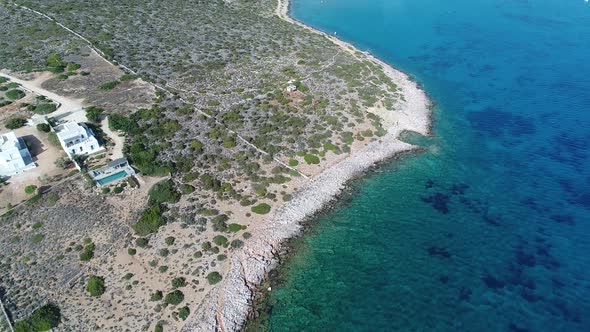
(489, 230)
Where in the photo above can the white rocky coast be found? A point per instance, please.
(226, 306)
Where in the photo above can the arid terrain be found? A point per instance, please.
(240, 126)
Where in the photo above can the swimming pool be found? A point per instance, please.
(111, 178)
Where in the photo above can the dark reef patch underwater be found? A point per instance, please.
(489, 229)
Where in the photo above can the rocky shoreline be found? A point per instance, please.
(226, 307)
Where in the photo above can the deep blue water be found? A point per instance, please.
(490, 229)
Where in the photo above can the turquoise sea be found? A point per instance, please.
(489, 230)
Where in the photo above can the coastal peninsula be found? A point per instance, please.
(240, 123)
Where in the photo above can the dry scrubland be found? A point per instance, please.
(225, 67)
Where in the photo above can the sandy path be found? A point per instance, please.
(67, 104)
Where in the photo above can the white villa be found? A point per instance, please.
(77, 139)
(14, 155)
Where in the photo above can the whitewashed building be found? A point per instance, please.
(14, 155)
(77, 139)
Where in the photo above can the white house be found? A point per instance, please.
(14, 155)
(77, 139)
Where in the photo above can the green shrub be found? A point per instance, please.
(131, 251)
(183, 313)
(220, 240)
(213, 278)
(151, 219)
(157, 296)
(45, 108)
(127, 77)
(52, 199)
(169, 240)
(37, 225)
(311, 159)
(141, 242)
(53, 139)
(261, 208)
(42, 319)
(118, 190)
(88, 253)
(174, 297)
(163, 192)
(15, 122)
(235, 228)
(63, 162)
(37, 238)
(54, 60)
(219, 223)
(293, 162)
(73, 66)
(163, 268)
(44, 127)
(159, 327)
(30, 189)
(95, 286)
(237, 244)
(178, 282)
(122, 123)
(108, 85)
(93, 114)
(187, 189)
(246, 235)
(14, 94)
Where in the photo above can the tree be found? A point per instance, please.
(95, 286)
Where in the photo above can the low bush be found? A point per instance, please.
(14, 94)
(151, 219)
(311, 159)
(42, 319)
(183, 313)
(44, 127)
(163, 192)
(108, 85)
(156, 296)
(30, 189)
(213, 278)
(88, 253)
(93, 114)
(169, 240)
(174, 297)
(261, 208)
(95, 286)
(235, 228)
(16, 122)
(141, 242)
(220, 240)
(178, 282)
(44, 108)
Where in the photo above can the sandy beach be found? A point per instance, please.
(226, 306)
